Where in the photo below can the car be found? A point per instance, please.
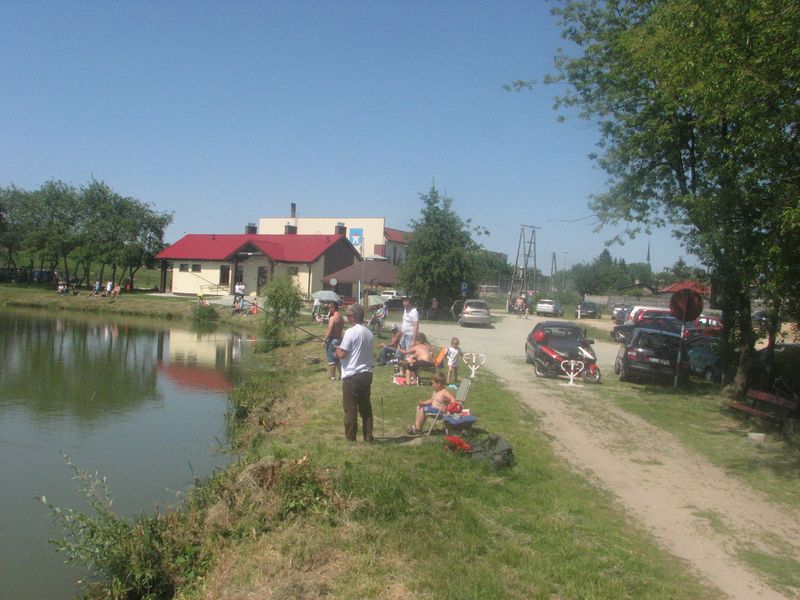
(651, 354)
(549, 307)
(587, 310)
(704, 358)
(391, 294)
(708, 324)
(471, 312)
(620, 333)
(618, 312)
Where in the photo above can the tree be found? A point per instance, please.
(696, 102)
(441, 254)
(282, 305)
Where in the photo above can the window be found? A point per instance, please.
(196, 268)
(183, 268)
(292, 271)
(225, 275)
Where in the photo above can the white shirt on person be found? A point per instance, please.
(357, 342)
(410, 318)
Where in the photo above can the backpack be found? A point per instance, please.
(495, 451)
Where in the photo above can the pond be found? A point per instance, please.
(140, 404)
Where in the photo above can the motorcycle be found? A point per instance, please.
(548, 362)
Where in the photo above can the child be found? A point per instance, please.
(453, 354)
(440, 398)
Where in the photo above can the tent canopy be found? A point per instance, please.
(370, 272)
(686, 284)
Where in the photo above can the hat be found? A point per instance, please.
(393, 327)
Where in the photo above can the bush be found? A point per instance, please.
(282, 306)
(204, 313)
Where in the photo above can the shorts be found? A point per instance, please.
(330, 351)
(430, 409)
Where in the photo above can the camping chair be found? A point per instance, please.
(438, 363)
(459, 421)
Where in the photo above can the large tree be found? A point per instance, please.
(441, 254)
(697, 104)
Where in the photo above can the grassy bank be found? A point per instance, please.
(303, 514)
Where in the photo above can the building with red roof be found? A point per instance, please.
(213, 263)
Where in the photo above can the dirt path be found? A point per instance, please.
(671, 491)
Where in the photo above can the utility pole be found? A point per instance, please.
(526, 249)
(554, 274)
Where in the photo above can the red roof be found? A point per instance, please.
(396, 236)
(293, 248)
(687, 284)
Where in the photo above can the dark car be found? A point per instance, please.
(651, 354)
(562, 336)
(785, 366)
(587, 310)
(620, 333)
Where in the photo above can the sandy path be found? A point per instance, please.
(662, 484)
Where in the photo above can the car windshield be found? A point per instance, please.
(657, 342)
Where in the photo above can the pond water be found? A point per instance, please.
(140, 404)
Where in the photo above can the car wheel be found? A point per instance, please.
(461, 323)
(528, 359)
(537, 368)
(617, 365)
(623, 372)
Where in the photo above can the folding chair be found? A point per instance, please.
(438, 363)
(459, 421)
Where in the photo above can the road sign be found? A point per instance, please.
(686, 305)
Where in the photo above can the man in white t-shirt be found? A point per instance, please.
(410, 326)
(355, 354)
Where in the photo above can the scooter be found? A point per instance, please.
(548, 362)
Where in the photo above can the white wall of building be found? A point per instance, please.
(370, 227)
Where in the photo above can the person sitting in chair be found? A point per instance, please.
(419, 355)
(389, 351)
(440, 398)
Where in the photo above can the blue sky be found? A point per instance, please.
(224, 112)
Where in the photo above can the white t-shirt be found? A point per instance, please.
(357, 342)
(452, 356)
(410, 317)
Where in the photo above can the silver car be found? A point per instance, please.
(551, 308)
(471, 312)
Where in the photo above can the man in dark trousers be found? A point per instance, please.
(355, 353)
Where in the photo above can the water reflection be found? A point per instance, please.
(141, 405)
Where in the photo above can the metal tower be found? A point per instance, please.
(524, 282)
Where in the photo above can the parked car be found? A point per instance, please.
(618, 312)
(620, 333)
(471, 312)
(549, 307)
(708, 325)
(704, 358)
(786, 366)
(587, 310)
(651, 354)
(391, 294)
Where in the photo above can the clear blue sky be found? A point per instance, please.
(224, 112)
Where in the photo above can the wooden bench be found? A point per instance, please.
(769, 407)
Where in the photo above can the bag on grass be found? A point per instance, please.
(495, 451)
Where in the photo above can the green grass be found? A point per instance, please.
(420, 522)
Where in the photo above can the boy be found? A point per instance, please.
(440, 398)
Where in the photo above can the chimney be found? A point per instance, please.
(290, 229)
(294, 210)
(250, 229)
(340, 229)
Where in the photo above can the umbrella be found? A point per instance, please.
(326, 296)
(375, 300)
(370, 272)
